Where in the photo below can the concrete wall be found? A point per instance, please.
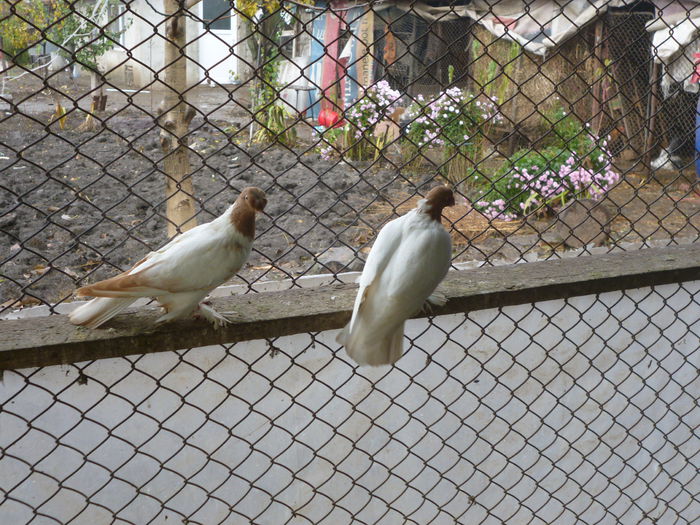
(146, 47)
(578, 411)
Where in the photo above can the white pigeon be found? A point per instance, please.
(181, 274)
(407, 262)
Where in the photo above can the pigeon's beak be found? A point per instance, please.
(259, 202)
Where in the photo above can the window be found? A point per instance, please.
(217, 13)
(296, 37)
(118, 22)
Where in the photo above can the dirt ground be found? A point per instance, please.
(76, 205)
(73, 204)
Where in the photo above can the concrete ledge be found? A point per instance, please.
(52, 340)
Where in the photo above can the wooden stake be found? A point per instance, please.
(651, 117)
(175, 121)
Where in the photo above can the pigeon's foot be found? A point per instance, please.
(207, 312)
(167, 317)
(435, 299)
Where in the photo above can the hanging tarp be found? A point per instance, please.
(538, 25)
(675, 40)
(364, 41)
(330, 64)
(357, 54)
(340, 74)
(318, 30)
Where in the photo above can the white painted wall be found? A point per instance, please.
(146, 47)
(578, 411)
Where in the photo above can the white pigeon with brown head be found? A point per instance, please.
(182, 273)
(409, 259)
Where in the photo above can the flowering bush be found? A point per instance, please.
(376, 105)
(356, 140)
(449, 119)
(454, 120)
(578, 166)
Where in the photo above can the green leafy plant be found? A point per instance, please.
(266, 20)
(494, 79)
(21, 24)
(271, 117)
(330, 142)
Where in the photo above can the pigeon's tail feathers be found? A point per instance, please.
(384, 350)
(98, 311)
(395, 346)
(342, 336)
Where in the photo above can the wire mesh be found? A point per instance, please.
(92, 159)
(560, 129)
(571, 411)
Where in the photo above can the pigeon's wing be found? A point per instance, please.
(385, 245)
(188, 240)
(419, 266)
(199, 259)
(384, 248)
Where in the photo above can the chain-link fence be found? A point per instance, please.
(565, 129)
(571, 411)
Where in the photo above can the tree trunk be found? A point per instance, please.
(175, 117)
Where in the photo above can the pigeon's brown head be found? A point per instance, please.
(437, 199)
(250, 200)
(254, 197)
